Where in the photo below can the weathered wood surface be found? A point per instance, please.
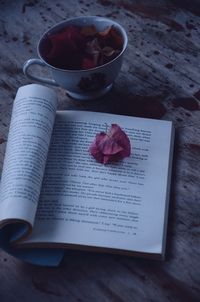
(160, 78)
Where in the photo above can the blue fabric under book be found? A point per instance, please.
(38, 256)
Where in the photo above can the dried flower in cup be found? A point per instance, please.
(79, 48)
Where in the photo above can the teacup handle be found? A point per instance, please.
(27, 73)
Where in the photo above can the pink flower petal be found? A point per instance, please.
(88, 63)
(112, 146)
(121, 138)
(64, 49)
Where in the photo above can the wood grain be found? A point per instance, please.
(160, 78)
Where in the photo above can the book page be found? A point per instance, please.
(26, 152)
(120, 205)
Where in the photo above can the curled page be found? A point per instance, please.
(24, 164)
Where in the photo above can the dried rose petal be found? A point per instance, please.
(93, 47)
(105, 32)
(116, 37)
(94, 50)
(108, 51)
(89, 31)
(77, 47)
(111, 37)
(112, 146)
(65, 48)
(88, 63)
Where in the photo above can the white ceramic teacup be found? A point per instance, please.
(99, 79)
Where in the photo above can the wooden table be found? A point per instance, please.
(160, 78)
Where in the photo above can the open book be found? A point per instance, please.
(54, 195)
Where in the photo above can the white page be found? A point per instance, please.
(26, 152)
(120, 205)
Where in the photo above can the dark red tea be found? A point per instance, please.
(78, 48)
